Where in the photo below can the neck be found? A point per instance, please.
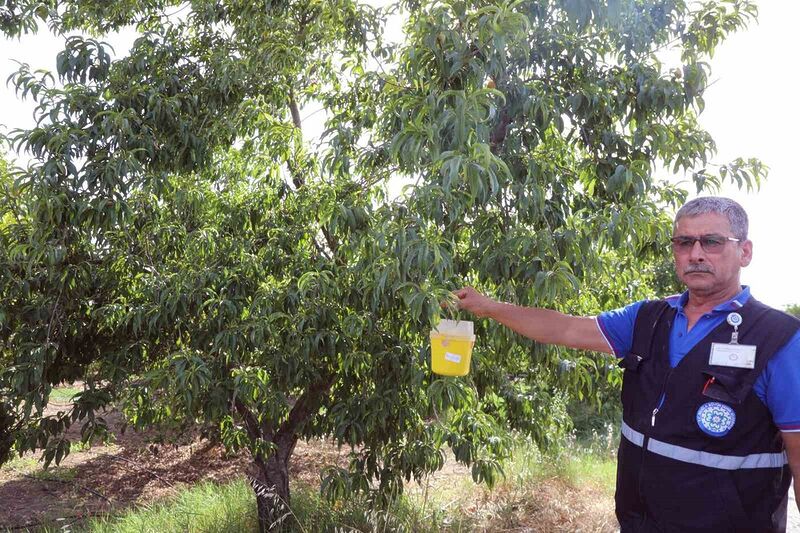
(705, 301)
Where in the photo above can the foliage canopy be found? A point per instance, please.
(181, 245)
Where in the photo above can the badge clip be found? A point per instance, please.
(733, 354)
(735, 320)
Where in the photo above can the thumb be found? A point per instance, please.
(461, 293)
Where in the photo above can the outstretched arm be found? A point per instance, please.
(541, 325)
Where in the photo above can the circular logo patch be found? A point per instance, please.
(715, 419)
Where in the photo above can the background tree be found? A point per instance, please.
(181, 246)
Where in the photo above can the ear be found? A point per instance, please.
(746, 253)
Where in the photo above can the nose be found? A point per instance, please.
(697, 254)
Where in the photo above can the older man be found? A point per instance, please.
(711, 389)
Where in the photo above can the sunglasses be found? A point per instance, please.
(709, 243)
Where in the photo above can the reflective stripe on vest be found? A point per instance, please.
(711, 460)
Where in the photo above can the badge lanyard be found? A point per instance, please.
(735, 320)
(733, 354)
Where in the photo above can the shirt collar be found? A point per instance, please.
(679, 300)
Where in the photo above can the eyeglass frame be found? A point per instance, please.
(685, 245)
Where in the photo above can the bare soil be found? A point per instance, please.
(136, 470)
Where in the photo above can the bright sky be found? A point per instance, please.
(751, 111)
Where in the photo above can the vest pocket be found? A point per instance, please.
(726, 387)
(632, 362)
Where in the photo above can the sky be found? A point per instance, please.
(751, 111)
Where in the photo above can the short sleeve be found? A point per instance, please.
(617, 327)
(779, 386)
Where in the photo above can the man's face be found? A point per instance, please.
(709, 272)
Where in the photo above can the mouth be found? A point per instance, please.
(690, 272)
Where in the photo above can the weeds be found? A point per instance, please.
(55, 473)
(23, 465)
(64, 394)
(203, 507)
(541, 493)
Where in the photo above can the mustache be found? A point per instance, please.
(698, 267)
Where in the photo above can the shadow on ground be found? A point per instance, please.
(134, 469)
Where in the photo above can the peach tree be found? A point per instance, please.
(184, 244)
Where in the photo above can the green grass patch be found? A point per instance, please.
(78, 446)
(209, 507)
(204, 507)
(64, 393)
(594, 459)
(31, 466)
(22, 465)
(444, 505)
(591, 469)
(55, 473)
(588, 461)
(311, 513)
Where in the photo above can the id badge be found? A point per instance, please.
(733, 355)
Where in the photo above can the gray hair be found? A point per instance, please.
(737, 218)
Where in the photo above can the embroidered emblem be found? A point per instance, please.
(715, 419)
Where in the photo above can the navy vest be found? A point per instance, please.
(700, 451)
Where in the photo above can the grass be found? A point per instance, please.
(598, 471)
(64, 394)
(55, 473)
(31, 466)
(453, 505)
(23, 465)
(203, 507)
(593, 459)
(231, 508)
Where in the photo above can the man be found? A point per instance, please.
(711, 389)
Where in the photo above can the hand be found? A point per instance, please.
(474, 302)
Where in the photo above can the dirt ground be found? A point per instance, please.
(134, 470)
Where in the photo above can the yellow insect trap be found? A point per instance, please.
(451, 347)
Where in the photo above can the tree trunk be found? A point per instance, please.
(6, 433)
(272, 487)
(271, 483)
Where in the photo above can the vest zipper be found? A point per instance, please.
(661, 398)
(657, 409)
(646, 439)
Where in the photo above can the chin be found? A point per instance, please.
(698, 285)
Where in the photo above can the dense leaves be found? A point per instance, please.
(184, 245)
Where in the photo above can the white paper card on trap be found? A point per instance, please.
(733, 355)
(452, 357)
(457, 328)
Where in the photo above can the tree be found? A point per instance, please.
(182, 248)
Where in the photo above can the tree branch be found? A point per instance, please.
(498, 135)
(296, 120)
(305, 406)
(297, 179)
(254, 429)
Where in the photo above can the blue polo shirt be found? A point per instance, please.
(778, 386)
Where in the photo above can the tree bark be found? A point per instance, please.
(272, 482)
(6, 432)
(272, 492)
